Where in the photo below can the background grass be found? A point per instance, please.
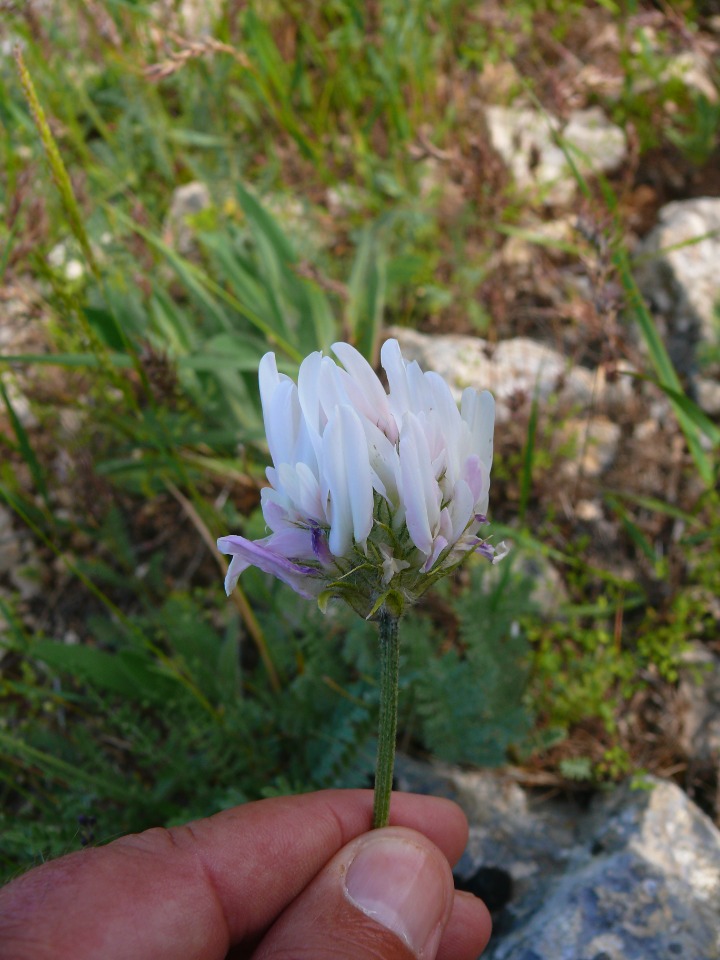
(351, 185)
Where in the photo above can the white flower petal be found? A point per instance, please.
(478, 411)
(396, 371)
(419, 388)
(340, 444)
(418, 487)
(347, 473)
(462, 509)
(376, 406)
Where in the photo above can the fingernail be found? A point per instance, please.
(401, 886)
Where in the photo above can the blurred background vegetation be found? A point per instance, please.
(186, 185)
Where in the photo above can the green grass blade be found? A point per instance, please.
(528, 459)
(366, 288)
(57, 167)
(25, 447)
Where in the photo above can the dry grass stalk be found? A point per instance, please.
(191, 50)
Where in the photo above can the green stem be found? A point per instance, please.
(387, 722)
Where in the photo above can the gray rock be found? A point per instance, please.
(526, 140)
(634, 877)
(707, 395)
(679, 276)
(192, 17)
(9, 542)
(595, 441)
(188, 200)
(512, 368)
(699, 695)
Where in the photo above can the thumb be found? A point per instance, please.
(387, 895)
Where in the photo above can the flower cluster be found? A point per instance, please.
(373, 494)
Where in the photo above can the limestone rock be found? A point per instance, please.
(596, 441)
(525, 139)
(679, 274)
(700, 697)
(511, 369)
(634, 877)
(707, 395)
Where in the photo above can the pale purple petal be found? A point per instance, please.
(486, 550)
(304, 580)
(274, 508)
(320, 544)
(493, 553)
(438, 546)
(476, 476)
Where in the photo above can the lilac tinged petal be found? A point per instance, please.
(493, 553)
(419, 488)
(320, 545)
(486, 550)
(347, 472)
(257, 553)
(477, 477)
(274, 508)
(293, 542)
(437, 548)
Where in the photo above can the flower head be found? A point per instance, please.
(373, 494)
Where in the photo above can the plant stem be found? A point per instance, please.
(387, 722)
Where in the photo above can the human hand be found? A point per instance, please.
(291, 877)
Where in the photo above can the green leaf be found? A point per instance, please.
(366, 303)
(126, 673)
(667, 377)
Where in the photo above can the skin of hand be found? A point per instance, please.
(290, 878)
